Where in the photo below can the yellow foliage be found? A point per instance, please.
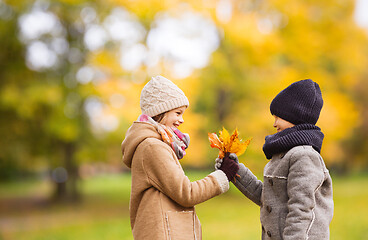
(228, 144)
(197, 148)
(254, 65)
(338, 118)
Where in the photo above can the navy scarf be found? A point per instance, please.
(302, 134)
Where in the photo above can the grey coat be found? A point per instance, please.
(295, 197)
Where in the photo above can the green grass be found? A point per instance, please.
(351, 208)
(104, 214)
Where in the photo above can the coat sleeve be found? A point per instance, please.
(248, 184)
(304, 178)
(165, 174)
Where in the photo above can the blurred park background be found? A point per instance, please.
(71, 72)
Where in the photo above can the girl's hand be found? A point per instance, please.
(218, 163)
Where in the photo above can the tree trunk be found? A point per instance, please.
(222, 105)
(66, 178)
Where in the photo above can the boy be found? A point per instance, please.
(296, 194)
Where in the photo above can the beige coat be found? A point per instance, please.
(162, 198)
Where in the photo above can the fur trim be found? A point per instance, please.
(222, 180)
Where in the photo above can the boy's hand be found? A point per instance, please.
(233, 157)
(218, 161)
(229, 165)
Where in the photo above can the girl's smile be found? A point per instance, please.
(174, 118)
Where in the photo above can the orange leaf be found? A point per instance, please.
(239, 147)
(226, 143)
(214, 140)
(235, 135)
(221, 154)
(225, 139)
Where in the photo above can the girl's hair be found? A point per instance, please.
(159, 118)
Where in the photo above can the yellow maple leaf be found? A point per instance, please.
(226, 143)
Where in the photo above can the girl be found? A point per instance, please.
(296, 194)
(162, 197)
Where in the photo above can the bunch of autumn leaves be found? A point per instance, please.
(228, 144)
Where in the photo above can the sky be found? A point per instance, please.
(361, 13)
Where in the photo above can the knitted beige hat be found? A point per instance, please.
(160, 95)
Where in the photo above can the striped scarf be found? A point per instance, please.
(177, 140)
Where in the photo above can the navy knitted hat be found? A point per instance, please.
(299, 103)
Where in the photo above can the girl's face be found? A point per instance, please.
(281, 124)
(174, 118)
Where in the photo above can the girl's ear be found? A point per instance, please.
(163, 119)
(160, 117)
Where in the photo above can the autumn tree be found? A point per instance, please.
(266, 46)
(72, 71)
(45, 93)
(78, 73)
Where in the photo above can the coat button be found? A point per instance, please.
(269, 234)
(270, 181)
(269, 209)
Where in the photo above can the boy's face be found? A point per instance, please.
(174, 118)
(281, 124)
